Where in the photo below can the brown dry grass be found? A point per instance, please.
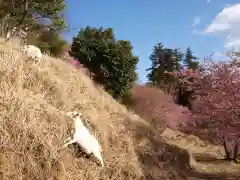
(33, 125)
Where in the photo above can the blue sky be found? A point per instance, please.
(176, 23)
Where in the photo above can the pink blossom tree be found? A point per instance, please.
(216, 103)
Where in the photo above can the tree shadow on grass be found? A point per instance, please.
(164, 161)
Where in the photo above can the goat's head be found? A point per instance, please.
(73, 114)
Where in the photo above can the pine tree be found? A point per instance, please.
(190, 61)
(163, 59)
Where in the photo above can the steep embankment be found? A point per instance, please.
(33, 125)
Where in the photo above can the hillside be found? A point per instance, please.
(33, 125)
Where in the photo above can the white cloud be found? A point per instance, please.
(220, 54)
(232, 43)
(227, 23)
(196, 21)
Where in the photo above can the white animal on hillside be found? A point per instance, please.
(33, 52)
(83, 137)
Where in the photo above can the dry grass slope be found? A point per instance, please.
(33, 124)
(33, 102)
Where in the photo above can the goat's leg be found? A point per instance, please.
(68, 143)
(98, 155)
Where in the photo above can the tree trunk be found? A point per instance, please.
(25, 13)
(236, 150)
(227, 152)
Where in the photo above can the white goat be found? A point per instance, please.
(33, 52)
(82, 136)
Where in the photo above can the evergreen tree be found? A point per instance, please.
(190, 61)
(27, 13)
(163, 59)
(111, 61)
(154, 58)
(43, 20)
